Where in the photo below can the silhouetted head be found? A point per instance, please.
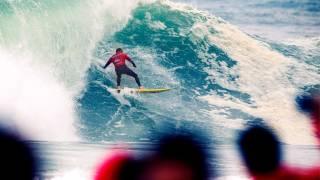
(130, 170)
(178, 157)
(119, 50)
(17, 161)
(260, 150)
(309, 103)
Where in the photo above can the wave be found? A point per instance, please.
(45, 49)
(217, 70)
(222, 79)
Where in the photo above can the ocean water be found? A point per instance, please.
(229, 63)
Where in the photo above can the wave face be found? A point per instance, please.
(45, 50)
(222, 79)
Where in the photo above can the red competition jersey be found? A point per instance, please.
(290, 173)
(111, 166)
(119, 59)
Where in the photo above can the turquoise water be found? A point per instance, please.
(229, 64)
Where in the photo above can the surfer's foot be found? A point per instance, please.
(141, 87)
(118, 89)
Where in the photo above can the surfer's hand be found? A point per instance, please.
(104, 67)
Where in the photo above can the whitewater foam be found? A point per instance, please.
(271, 79)
(46, 49)
(33, 103)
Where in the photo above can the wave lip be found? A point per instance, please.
(46, 49)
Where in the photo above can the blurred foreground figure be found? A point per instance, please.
(119, 166)
(262, 154)
(17, 161)
(309, 103)
(176, 157)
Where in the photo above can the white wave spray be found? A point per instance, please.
(46, 48)
(271, 79)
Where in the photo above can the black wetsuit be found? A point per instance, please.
(125, 70)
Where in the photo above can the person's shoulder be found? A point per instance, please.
(113, 56)
(125, 55)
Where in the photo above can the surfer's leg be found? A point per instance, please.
(137, 80)
(118, 79)
(129, 72)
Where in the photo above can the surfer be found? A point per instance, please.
(119, 61)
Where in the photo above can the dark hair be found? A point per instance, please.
(119, 50)
(17, 159)
(305, 103)
(260, 149)
(130, 169)
(187, 150)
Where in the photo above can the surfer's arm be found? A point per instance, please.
(108, 63)
(130, 60)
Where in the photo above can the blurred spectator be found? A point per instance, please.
(262, 155)
(176, 157)
(309, 103)
(120, 166)
(17, 160)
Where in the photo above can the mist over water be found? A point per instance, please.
(46, 48)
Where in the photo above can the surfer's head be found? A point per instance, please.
(119, 50)
(260, 150)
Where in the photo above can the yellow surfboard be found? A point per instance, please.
(144, 90)
(150, 90)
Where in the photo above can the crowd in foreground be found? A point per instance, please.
(179, 156)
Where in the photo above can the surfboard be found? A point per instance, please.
(150, 90)
(144, 90)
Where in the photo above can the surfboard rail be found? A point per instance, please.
(152, 90)
(143, 90)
